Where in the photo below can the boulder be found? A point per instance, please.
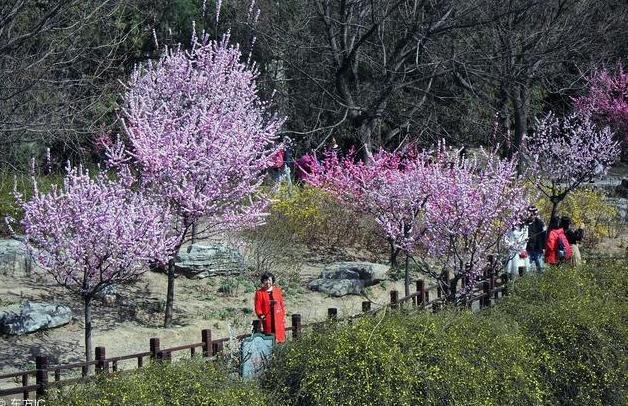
(32, 316)
(348, 278)
(337, 287)
(14, 258)
(108, 295)
(200, 261)
(368, 272)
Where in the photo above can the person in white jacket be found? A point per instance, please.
(516, 240)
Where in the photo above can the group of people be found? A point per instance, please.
(531, 242)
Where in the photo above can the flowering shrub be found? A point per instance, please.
(315, 218)
(193, 382)
(575, 319)
(559, 338)
(587, 206)
(420, 358)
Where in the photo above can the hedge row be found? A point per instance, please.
(560, 338)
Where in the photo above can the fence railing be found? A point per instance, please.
(487, 290)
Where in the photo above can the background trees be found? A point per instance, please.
(382, 72)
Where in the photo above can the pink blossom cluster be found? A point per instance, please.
(389, 188)
(94, 232)
(473, 203)
(566, 152)
(440, 204)
(199, 134)
(607, 99)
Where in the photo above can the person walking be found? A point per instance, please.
(536, 238)
(271, 308)
(574, 237)
(557, 248)
(516, 241)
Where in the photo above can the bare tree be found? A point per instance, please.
(529, 48)
(59, 61)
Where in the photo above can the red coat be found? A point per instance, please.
(551, 246)
(274, 316)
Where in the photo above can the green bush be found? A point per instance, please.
(577, 320)
(559, 338)
(453, 357)
(190, 382)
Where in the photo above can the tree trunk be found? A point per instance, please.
(453, 288)
(520, 104)
(87, 304)
(394, 253)
(407, 279)
(169, 295)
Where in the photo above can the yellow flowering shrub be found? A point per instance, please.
(315, 218)
(587, 206)
(188, 382)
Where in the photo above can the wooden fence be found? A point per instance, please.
(487, 291)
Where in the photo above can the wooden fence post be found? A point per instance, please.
(206, 338)
(420, 287)
(521, 270)
(41, 376)
(153, 347)
(394, 299)
(296, 326)
(25, 383)
(100, 358)
(486, 292)
(505, 283)
(366, 306)
(332, 313)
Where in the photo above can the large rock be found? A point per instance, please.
(337, 287)
(348, 278)
(200, 261)
(14, 258)
(33, 316)
(368, 272)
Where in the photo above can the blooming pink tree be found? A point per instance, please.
(92, 233)
(446, 212)
(390, 188)
(564, 153)
(473, 203)
(200, 138)
(607, 101)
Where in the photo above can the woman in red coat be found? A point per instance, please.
(270, 308)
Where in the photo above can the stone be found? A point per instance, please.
(15, 260)
(33, 316)
(348, 278)
(108, 295)
(337, 287)
(368, 272)
(201, 261)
